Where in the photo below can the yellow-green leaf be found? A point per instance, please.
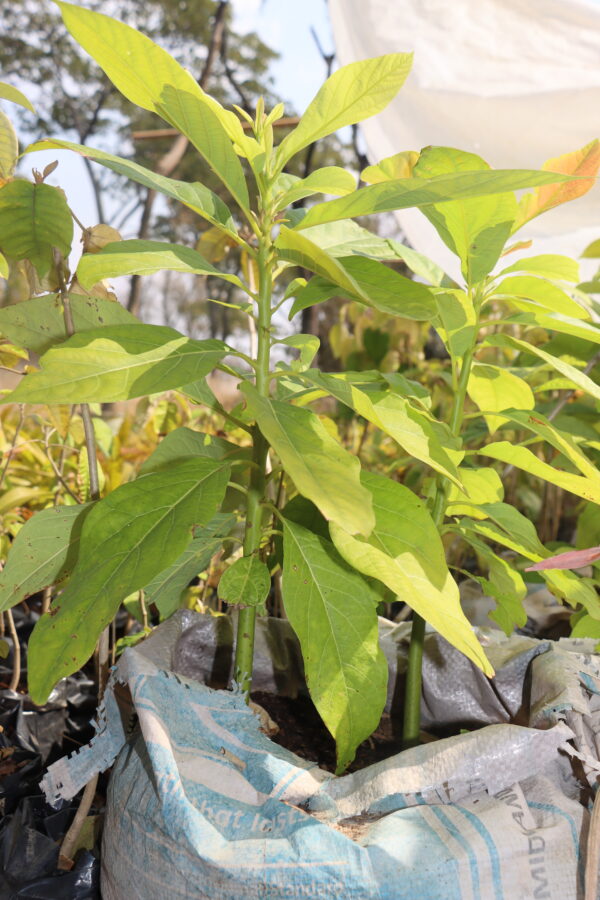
(458, 321)
(9, 148)
(416, 432)
(301, 251)
(407, 192)
(193, 195)
(8, 92)
(353, 93)
(406, 553)
(547, 265)
(494, 389)
(578, 378)
(480, 486)
(328, 180)
(535, 315)
(562, 442)
(148, 76)
(322, 470)
(400, 165)
(357, 277)
(524, 459)
(145, 258)
(475, 230)
(548, 295)
(592, 251)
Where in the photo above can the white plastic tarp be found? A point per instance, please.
(515, 81)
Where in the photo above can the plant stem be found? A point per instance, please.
(244, 651)
(414, 674)
(16, 673)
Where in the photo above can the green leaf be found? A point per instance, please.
(517, 527)
(592, 251)
(535, 315)
(183, 443)
(548, 265)
(347, 238)
(476, 230)
(578, 378)
(356, 277)
(166, 588)
(246, 582)
(388, 291)
(322, 470)
(458, 321)
(148, 76)
(508, 527)
(43, 553)
(588, 527)
(9, 147)
(352, 94)
(193, 195)
(117, 363)
(408, 192)
(509, 590)
(39, 323)
(145, 258)
(317, 290)
(504, 584)
(586, 627)
(524, 459)
(406, 553)
(493, 389)
(3, 267)
(8, 92)
(84, 485)
(127, 539)
(299, 250)
(307, 344)
(333, 611)
(34, 219)
(548, 295)
(328, 180)
(417, 433)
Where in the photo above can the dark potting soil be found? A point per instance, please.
(301, 730)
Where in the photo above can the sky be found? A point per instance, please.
(286, 25)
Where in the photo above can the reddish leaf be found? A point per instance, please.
(585, 161)
(573, 559)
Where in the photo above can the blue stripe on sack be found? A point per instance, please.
(549, 807)
(424, 869)
(459, 838)
(494, 858)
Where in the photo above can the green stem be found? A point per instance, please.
(414, 674)
(244, 651)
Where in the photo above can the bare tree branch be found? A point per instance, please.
(229, 73)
